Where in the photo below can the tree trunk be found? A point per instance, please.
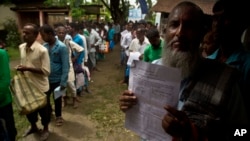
(149, 15)
(119, 12)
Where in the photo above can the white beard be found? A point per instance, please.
(185, 61)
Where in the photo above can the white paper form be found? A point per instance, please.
(133, 56)
(58, 92)
(155, 86)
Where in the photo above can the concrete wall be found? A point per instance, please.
(5, 12)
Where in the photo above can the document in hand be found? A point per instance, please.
(58, 92)
(155, 86)
(133, 56)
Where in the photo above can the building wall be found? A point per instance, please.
(6, 13)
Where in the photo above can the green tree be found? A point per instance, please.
(118, 9)
(13, 36)
(75, 11)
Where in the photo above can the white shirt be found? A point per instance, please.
(68, 37)
(135, 45)
(106, 27)
(122, 34)
(75, 47)
(94, 39)
(126, 40)
(85, 58)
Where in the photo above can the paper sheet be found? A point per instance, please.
(58, 93)
(155, 86)
(133, 56)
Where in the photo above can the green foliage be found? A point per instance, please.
(56, 2)
(13, 53)
(76, 13)
(107, 16)
(13, 36)
(21, 121)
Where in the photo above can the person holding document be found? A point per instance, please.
(59, 62)
(209, 96)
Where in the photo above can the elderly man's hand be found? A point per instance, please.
(127, 100)
(21, 68)
(176, 123)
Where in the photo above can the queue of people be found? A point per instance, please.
(51, 57)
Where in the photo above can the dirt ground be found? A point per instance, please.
(77, 125)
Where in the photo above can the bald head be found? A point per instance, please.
(61, 33)
(185, 26)
(190, 9)
(184, 32)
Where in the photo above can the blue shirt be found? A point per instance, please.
(111, 34)
(59, 63)
(77, 39)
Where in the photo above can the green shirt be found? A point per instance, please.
(85, 32)
(151, 54)
(5, 95)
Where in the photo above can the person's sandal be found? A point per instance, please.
(59, 121)
(44, 135)
(30, 131)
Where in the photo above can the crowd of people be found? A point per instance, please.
(214, 65)
(62, 55)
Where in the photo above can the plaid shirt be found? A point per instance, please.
(212, 99)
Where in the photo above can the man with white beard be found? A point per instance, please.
(209, 97)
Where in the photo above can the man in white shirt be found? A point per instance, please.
(125, 42)
(94, 41)
(85, 59)
(137, 46)
(124, 32)
(73, 47)
(139, 43)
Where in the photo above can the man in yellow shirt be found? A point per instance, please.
(35, 64)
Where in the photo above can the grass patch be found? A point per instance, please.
(108, 117)
(21, 122)
(13, 53)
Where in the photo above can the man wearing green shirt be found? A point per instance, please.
(6, 110)
(153, 51)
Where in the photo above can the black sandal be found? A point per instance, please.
(30, 131)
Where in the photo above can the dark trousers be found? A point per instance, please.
(6, 114)
(58, 101)
(117, 37)
(44, 114)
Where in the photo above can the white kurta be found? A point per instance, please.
(75, 47)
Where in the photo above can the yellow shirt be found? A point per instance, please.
(36, 57)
